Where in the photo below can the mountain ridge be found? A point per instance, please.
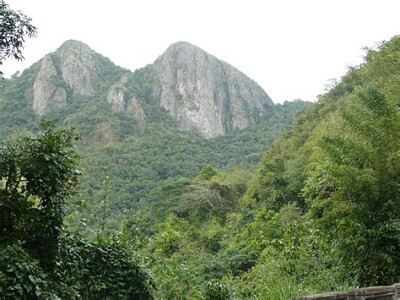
(203, 94)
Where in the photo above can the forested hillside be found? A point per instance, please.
(132, 148)
(320, 212)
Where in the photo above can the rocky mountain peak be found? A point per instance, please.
(78, 67)
(205, 94)
(181, 47)
(73, 70)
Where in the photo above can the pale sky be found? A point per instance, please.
(292, 48)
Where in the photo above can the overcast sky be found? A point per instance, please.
(290, 47)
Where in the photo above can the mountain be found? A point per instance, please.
(202, 93)
(206, 94)
(74, 70)
(319, 213)
(148, 130)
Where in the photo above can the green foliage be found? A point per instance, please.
(14, 27)
(143, 158)
(150, 169)
(293, 257)
(215, 290)
(354, 192)
(104, 270)
(206, 172)
(204, 199)
(320, 213)
(38, 175)
(21, 276)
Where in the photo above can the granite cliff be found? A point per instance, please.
(74, 68)
(207, 95)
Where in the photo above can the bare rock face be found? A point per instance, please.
(121, 101)
(68, 74)
(78, 67)
(47, 95)
(117, 95)
(136, 108)
(206, 95)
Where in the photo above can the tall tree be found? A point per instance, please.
(38, 175)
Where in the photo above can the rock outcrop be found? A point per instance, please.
(47, 94)
(117, 95)
(121, 101)
(70, 71)
(78, 67)
(207, 95)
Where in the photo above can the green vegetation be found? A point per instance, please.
(319, 213)
(15, 26)
(40, 259)
(160, 213)
(142, 160)
(159, 158)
